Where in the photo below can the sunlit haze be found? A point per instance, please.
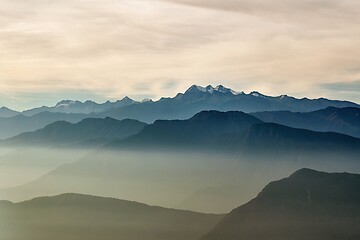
(106, 49)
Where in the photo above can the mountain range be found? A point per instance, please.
(207, 149)
(76, 217)
(236, 132)
(182, 106)
(307, 205)
(331, 119)
(232, 131)
(12, 126)
(196, 99)
(6, 112)
(152, 160)
(74, 106)
(201, 130)
(88, 131)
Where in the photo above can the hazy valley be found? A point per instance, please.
(179, 120)
(208, 150)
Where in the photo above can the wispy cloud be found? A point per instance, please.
(343, 86)
(160, 47)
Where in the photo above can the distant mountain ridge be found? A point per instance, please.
(307, 205)
(276, 138)
(231, 131)
(12, 126)
(331, 119)
(218, 98)
(194, 132)
(197, 99)
(182, 106)
(87, 131)
(74, 106)
(235, 132)
(7, 112)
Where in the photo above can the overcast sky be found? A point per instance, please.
(106, 49)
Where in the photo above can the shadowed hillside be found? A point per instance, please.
(79, 217)
(237, 132)
(202, 129)
(88, 131)
(306, 205)
(331, 119)
(278, 139)
(6, 112)
(12, 126)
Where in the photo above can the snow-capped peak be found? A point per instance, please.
(236, 93)
(221, 88)
(126, 98)
(211, 89)
(196, 88)
(257, 94)
(283, 96)
(65, 103)
(146, 100)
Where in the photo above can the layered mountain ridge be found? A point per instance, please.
(182, 106)
(331, 119)
(74, 106)
(6, 112)
(94, 131)
(236, 132)
(233, 131)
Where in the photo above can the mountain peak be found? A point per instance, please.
(7, 112)
(257, 94)
(304, 172)
(196, 88)
(334, 187)
(221, 88)
(64, 103)
(126, 98)
(211, 89)
(146, 100)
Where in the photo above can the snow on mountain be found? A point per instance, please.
(68, 103)
(211, 89)
(74, 106)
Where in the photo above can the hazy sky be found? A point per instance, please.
(106, 49)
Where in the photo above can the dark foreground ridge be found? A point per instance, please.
(307, 205)
(78, 217)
